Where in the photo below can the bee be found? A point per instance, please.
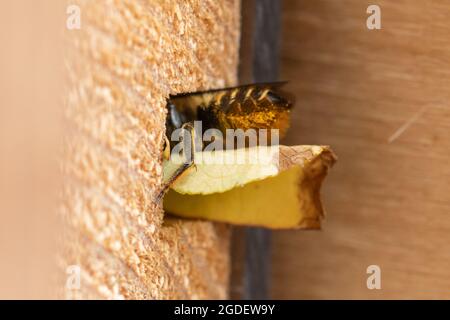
(254, 106)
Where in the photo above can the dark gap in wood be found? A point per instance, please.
(259, 62)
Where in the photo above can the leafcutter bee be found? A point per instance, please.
(254, 106)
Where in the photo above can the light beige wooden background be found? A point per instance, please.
(387, 202)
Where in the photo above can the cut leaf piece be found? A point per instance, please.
(281, 190)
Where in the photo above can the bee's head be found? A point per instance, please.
(271, 96)
(280, 99)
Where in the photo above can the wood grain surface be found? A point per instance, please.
(380, 99)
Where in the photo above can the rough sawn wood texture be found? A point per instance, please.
(122, 64)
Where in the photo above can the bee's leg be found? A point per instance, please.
(185, 166)
(172, 179)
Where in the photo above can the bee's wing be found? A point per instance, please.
(207, 98)
(275, 84)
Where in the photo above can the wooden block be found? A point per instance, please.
(123, 63)
(387, 199)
